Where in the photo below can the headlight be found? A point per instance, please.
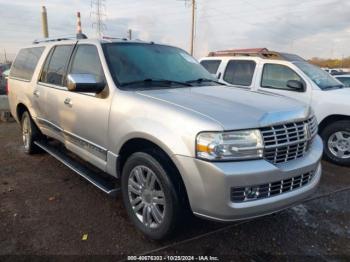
(236, 145)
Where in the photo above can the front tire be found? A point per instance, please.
(30, 133)
(149, 195)
(336, 139)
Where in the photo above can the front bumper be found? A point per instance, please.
(209, 184)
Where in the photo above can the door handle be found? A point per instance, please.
(36, 93)
(68, 102)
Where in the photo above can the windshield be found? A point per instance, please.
(135, 64)
(320, 77)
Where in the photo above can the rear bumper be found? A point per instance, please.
(209, 184)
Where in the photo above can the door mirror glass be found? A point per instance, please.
(85, 83)
(296, 85)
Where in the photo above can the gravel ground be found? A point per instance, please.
(46, 209)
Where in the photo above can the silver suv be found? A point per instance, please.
(151, 118)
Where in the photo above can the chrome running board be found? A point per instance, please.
(106, 183)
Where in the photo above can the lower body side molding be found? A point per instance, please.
(105, 182)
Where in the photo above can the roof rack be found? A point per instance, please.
(257, 52)
(53, 39)
(106, 37)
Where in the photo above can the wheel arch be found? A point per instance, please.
(139, 144)
(331, 119)
(20, 109)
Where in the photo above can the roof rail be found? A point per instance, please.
(257, 52)
(61, 38)
(113, 37)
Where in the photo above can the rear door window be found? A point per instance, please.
(212, 66)
(26, 62)
(57, 66)
(240, 72)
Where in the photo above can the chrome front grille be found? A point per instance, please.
(288, 141)
(255, 192)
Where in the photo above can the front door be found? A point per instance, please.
(274, 78)
(84, 116)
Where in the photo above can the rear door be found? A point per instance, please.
(239, 73)
(51, 88)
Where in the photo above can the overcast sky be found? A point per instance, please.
(309, 28)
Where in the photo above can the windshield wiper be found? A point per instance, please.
(333, 87)
(155, 81)
(201, 80)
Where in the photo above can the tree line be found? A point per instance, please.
(331, 63)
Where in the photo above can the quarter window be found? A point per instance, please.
(211, 65)
(86, 61)
(57, 65)
(26, 62)
(276, 76)
(240, 72)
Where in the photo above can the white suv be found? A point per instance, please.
(292, 76)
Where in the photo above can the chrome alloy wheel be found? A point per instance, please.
(146, 196)
(339, 144)
(26, 133)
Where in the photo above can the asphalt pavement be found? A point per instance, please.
(48, 211)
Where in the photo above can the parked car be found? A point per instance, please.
(333, 71)
(292, 76)
(344, 78)
(151, 116)
(3, 81)
(3, 74)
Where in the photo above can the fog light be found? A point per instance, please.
(251, 192)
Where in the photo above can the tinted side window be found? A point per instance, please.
(211, 65)
(277, 76)
(57, 65)
(240, 72)
(26, 62)
(86, 61)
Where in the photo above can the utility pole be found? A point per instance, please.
(45, 27)
(193, 25)
(193, 5)
(130, 34)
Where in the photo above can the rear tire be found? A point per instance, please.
(150, 194)
(336, 139)
(30, 133)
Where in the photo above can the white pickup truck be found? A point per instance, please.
(292, 76)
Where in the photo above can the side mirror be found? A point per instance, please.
(296, 85)
(85, 83)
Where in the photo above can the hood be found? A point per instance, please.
(233, 108)
(338, 92)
